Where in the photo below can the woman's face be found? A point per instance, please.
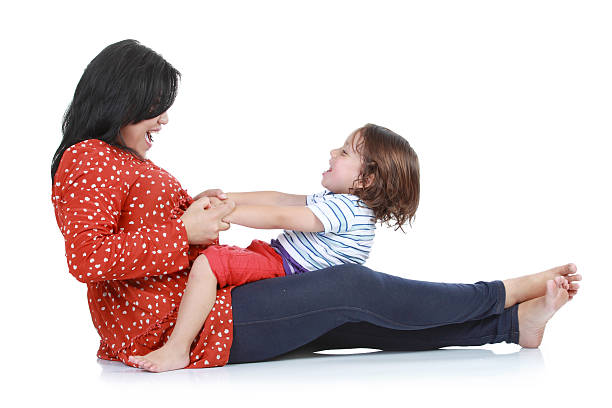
(138, 136)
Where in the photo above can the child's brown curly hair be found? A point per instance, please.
(389, 179)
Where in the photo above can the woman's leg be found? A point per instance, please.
(532, 315)
(276, 316)
(494, 329)
(352, 306)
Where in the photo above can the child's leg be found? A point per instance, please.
(198, 299)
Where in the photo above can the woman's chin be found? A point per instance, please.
(143, 150)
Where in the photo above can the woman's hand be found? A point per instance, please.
(214, 192)
(203, 221)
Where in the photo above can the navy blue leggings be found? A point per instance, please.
(351, 306)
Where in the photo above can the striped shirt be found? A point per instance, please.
(349, 232)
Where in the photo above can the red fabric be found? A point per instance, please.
(236, 266)
(120, 220)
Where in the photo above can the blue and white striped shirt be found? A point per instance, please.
(349, 232)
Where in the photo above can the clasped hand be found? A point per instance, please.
(204, 218)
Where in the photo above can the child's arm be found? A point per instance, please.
(297, 218)
(267, 198)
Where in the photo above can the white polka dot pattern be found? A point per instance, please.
(120, 220)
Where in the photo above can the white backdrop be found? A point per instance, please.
(506, 103)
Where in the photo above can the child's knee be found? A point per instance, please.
(201, 269)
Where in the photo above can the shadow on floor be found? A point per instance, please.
(338, 365)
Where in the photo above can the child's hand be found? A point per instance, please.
(215, 202)
(203, 223)
(215, 192)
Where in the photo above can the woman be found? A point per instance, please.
(131, 233)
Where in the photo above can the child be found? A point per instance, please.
(373, 177)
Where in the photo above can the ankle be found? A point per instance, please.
(510, 296)
(178, 345)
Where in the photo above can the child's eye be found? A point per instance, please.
(343, 151)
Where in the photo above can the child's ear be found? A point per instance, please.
(368, 182)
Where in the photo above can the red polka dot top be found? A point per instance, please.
(120, 220)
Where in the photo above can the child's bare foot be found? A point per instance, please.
(534, 314)
(166, 358)
(529, 287)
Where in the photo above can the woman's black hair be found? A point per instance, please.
(126, 83)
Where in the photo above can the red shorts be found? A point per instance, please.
(236, 266)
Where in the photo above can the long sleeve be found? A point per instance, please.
(95, 187)
(120, 220)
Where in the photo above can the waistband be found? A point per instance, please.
(290, 265)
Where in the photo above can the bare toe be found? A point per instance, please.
(563, 270)
(135, 360)
(556, 294)
(165, 358)
(562, 282)
(146, 364)
(573, 290)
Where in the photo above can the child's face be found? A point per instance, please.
(344, 167)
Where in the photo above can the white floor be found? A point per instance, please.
(49, 347)
(568, 368)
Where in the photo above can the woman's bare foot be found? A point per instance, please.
(534, 314)
(533, 286)
(166, 358)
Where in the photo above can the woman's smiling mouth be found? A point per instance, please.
(149, 136)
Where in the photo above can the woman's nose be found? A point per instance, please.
(163, 118)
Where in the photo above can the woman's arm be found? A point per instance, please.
(98, 250)
(89, 198)
(297, 218)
